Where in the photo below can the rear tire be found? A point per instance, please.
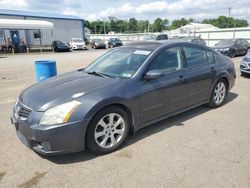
(232, 54)
(108, 130)
(219, 94)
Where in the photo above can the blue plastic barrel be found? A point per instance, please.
(45, 69)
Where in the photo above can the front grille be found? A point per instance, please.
(22, 111)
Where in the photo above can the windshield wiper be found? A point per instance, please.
(99, 74)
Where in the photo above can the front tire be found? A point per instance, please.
(219, 94)
(107, 130)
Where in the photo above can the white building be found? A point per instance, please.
(191, 28)
(64, 28)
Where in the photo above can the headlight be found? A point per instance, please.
(225, 49)
(59, 114)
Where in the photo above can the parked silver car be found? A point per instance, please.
(245, 65)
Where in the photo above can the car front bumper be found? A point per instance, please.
(49, 140)
(79, 47)
(223, 52)
(245, 67)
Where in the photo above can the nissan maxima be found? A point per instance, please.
(121, 92)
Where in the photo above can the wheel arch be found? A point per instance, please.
(222, 76)
(100, 106)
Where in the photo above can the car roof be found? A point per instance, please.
(153, 45)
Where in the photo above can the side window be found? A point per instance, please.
(165, 37)
(210, 56)
(238, 42)
(159, 37)
(168, 60)
(245, 42)
(195, 56)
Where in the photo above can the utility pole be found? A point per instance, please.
(229, 15)
(148, 26)
(104, 26)
(229, 11)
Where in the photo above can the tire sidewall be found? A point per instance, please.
(90, 137)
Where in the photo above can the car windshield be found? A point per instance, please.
(115, 39)
(150, 37)
(60, 43)
(77, 40)
(98, 40)
(119, 63)
(226, 42)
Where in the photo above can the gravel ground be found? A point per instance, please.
(199, 148)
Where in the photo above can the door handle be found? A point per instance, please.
(212, 69)
(181, 78)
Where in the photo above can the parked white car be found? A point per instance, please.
(77, 44)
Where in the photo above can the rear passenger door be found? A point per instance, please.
(201, 73)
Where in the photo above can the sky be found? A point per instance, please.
(140, 9)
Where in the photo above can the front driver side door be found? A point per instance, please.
(167, 94)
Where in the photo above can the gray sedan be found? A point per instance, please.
(123, 91)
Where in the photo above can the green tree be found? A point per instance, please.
(121, 26)
(143, 25)
(97, 27)
(87, 24)
(178, 23)
(226, 22)
(160, 25)
(112, 24)
(132, 25)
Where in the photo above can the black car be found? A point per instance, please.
(60, 46)
(232, 47)
(114, 42)
(123, 91)
(197, 40)
(98, 43)
(156, 37)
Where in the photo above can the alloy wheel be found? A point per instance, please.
(109, 130)
(219, 93)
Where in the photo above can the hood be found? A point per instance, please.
(60, 89)
(100, 43)
(78, 43)
(222, 46)
(63, 46)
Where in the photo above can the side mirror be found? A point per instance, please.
(153, 74)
